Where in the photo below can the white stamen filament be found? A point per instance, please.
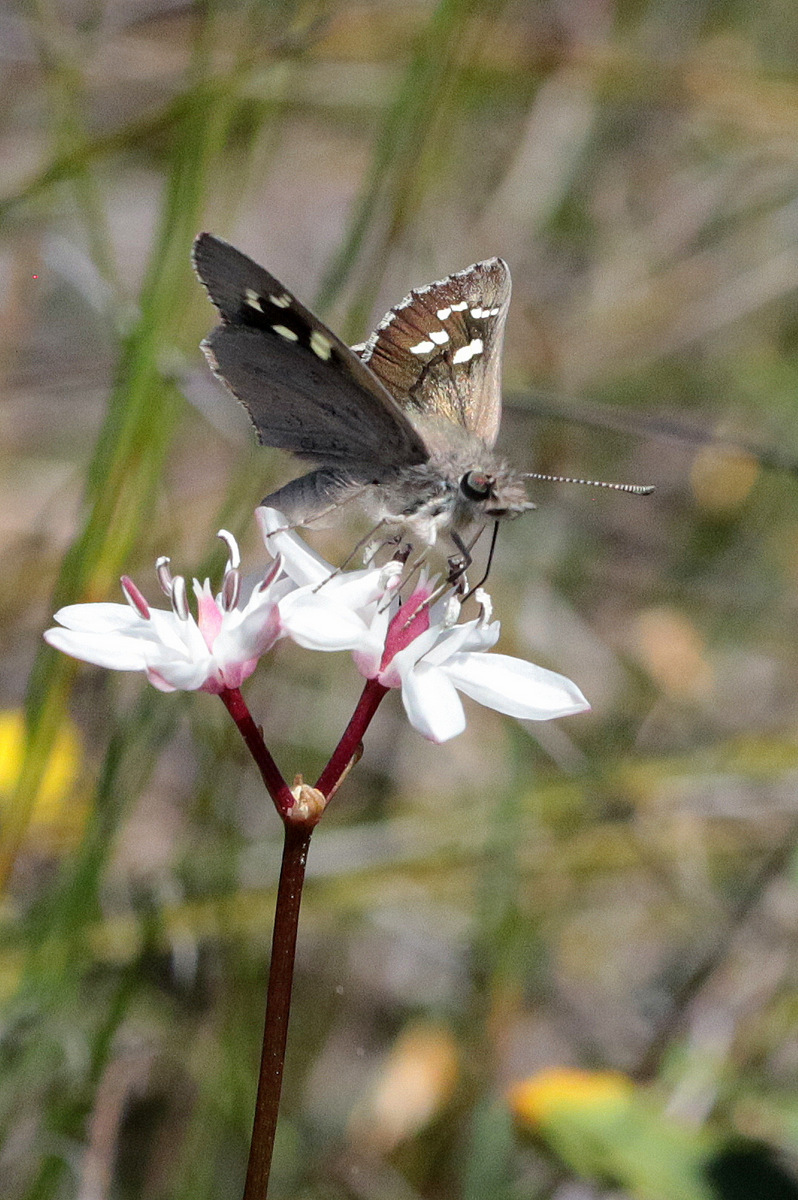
(164, 574)
(179, 598)
(485, 603)
(234, 559)
(273, 570)
(231, 589)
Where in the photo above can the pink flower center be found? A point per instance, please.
(209, 619)
(411, 620)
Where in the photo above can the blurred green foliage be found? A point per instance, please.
(617, 890)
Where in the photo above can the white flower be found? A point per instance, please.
(218, 650)
(416, 646)
(324, 612)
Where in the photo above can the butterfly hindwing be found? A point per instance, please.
(439, 351)
(304, 389)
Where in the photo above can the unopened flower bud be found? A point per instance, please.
(309, 804)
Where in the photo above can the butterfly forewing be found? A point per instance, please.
(439, 352)
(304, 389)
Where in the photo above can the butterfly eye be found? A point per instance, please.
(475, 485)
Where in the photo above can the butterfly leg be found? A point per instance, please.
(459, 563)
(377, 545)
(484, 578)
(369, 537)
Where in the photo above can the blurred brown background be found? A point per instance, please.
(616, 889)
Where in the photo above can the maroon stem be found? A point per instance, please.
(346, 749)
(276, 786)
(278, 1006)
(286, 914)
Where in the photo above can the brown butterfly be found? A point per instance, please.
(406, 421)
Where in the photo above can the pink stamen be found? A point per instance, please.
(404, 629)
(134, 597)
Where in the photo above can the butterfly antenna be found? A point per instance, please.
(635, 489)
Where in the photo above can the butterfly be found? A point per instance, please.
(406, 421)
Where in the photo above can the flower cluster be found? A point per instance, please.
(416, 645)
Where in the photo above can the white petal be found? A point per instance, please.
(368, 655)
(473, 635)
(184, 676)
(103, 619)
(163, 685)
(301, 563)
(255, 628)
(432, 705)
(242, 640)
(483, 635)
(182, 638)
(515, 687)
(113, 650)
(356, 589)
(368, 663)
(420, 646)
(99, 618)
(321, 625)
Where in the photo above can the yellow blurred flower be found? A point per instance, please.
(722, 478)
(58, 816)
(412, 1086)
(558, 1089)
(674, 652)
(607, 1130)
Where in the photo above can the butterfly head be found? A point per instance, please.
(493, 495)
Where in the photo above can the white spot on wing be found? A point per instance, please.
(281, 301)
(320, 345)
(466, 353)
(286, 333)
(422, 348)
(444, 313)
(439, 336)
(460, 307)
(253, 299)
